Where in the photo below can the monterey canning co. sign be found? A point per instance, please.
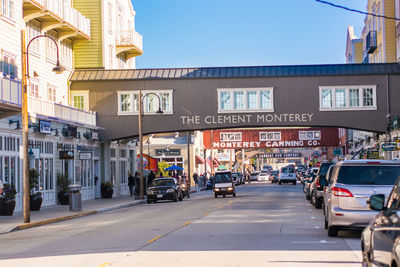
(271, 138)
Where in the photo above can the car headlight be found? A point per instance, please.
(230, 188)
(150, 192)
(216, 189)
(170, 190)
(183, 186)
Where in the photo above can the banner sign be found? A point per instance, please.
(169, 152)
(44, 127)
(280, 155)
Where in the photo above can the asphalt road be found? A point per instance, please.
(264, 225)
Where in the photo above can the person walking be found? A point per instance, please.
(151, 177)
(137, 184)
(131, 182)
(195, 178)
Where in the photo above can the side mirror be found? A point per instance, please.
(377, 202)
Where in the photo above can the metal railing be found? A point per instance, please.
(50, 109)
(66, 13)
(130, 37)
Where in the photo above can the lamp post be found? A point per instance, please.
(24, 114)
(159, 111)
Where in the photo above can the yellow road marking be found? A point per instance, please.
(220, 207)
(154, 239)
(104, 264)
(230, 202)
(186, 223)
(207, 213)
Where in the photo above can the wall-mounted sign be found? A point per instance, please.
(280, 155)
(169, 152)
(223, 156)
(44, 127)
(85, 155)
(69, 131)
(66, 154)
(373, 154)
(389, 146)
(337, 151)
(95, 135)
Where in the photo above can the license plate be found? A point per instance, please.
(159, 196)
(223, 189)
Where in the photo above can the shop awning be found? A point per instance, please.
(199, 160)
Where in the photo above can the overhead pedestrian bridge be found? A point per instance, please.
(356, 96)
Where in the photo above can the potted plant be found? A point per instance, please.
(63, 189)
(7, 201)
(107, 189)
(36, 197)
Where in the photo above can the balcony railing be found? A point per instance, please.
(61, 112)
(130, 37)
(8, 69)
(10, 91)
(65, 13)
(371, 42)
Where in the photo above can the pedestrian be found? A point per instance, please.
(151, 177)
(1, 188)
(195, 178)
(137, 184)
(131, 182)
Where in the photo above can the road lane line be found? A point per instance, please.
(220, 207)
(104, 264)
(207, 213)
(187, 223)
(154, 239)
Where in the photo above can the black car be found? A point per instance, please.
(379, 241)
(164, 189)
(317, 187)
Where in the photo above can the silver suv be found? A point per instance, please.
(351, 183)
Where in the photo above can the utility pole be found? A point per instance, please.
(24, 115)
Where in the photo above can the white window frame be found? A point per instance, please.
(347, 100)
(5, 11)
(276, 136)
(231, 137)
(135, 106)
(11, 59)
(303, 135)
(52, 93)
(82, 93)
(35, 90)
(231, 92)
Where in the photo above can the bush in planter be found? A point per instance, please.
(107, 190)
(7, 201)
(36, 197)
(62, 184)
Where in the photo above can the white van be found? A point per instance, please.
(223, 184)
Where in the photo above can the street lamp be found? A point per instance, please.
(58, 69)
(159, 111)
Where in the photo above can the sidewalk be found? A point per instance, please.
(59, 213)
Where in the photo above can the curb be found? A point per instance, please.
(73, 216)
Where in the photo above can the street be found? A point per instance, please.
(264, 225)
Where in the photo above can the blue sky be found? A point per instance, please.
(212, 33)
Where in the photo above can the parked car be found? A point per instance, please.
(241, 177)
(287, 175)
(254, 176)
(351, 183)
(223, 184)
(380, 240)
(164, 189)
(264, 177)
(317, 186)
(307, 185)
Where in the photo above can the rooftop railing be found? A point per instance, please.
(130, 37)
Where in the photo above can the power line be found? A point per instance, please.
(357, 11)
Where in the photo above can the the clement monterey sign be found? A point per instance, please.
(247, 118)
(271, 138)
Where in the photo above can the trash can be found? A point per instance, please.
(75, 198)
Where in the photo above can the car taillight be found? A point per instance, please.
(341, 192)
(317, 183)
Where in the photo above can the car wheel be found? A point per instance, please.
(366, 262)
(188, 195)
(294, 183)
(234, 194)
(148, 201)
(175, 198)
(280, 182)
(318, 203)
(215, 195)
(180, 197)
(307, 196)
(223, 195)
(326, 223)
(333, 231)
(312, 198)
